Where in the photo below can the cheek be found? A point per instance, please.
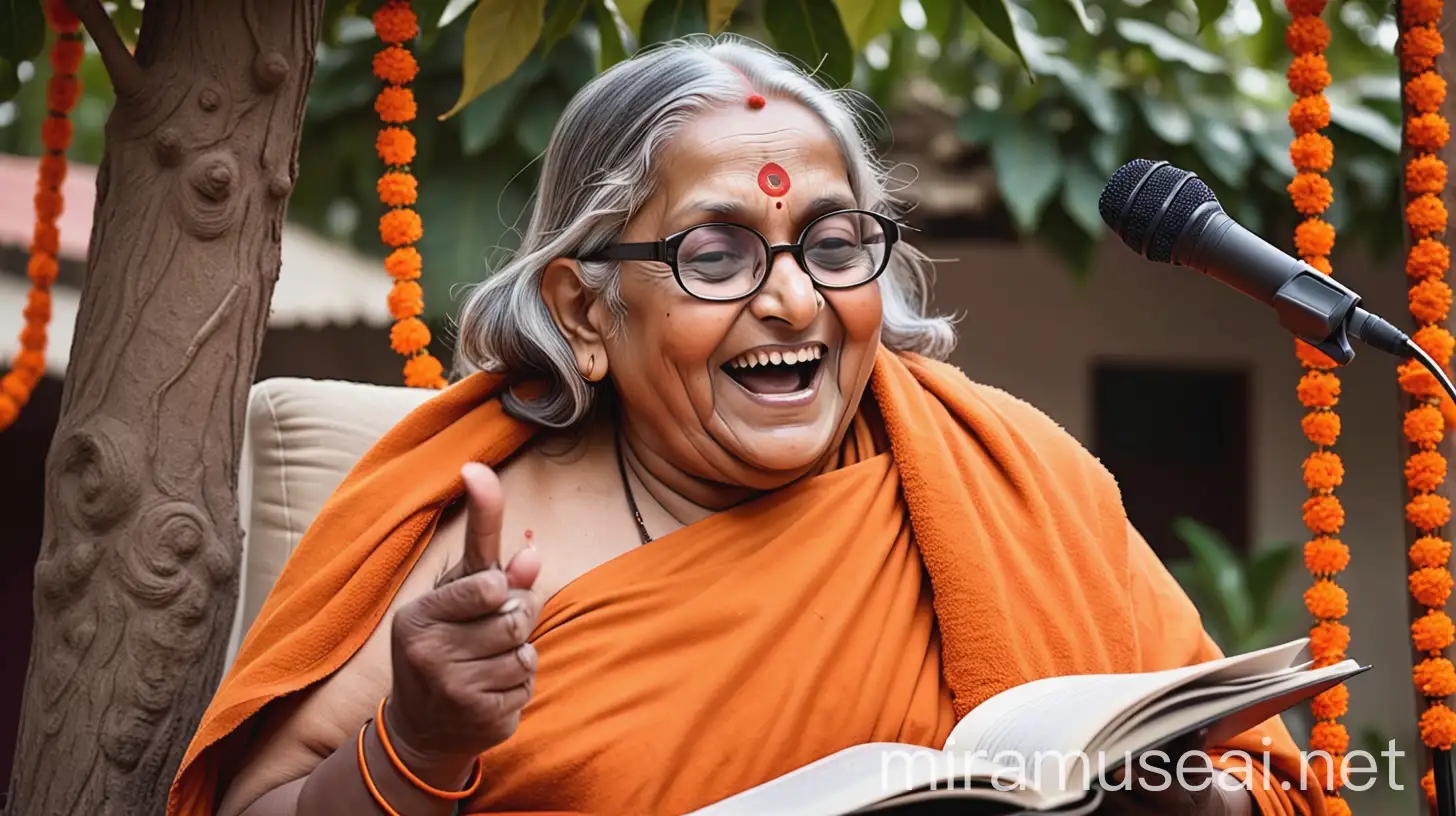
(685, 336)
(860, 312)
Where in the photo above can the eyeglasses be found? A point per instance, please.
(722, 261)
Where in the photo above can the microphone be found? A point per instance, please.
(1169, 215)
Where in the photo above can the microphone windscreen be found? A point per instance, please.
(1148, 200)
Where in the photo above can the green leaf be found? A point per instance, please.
(1268, 567)
(632, 12)
(561, 23)
(22, 30)
(1166, 45)
(941, 17)
(812, 31)
(669, 19)
(498, 38)
(1081, 9)
(9, 80)
(469, 214)
(1209, 11)
(1108, 150)
(866, 19)
(1223, 147)
(1169, 120)
(1225, 575)
(613, 50)
(1028, 166)
(1081, 188)
(720, 13)
(976, 126)
(996, 17)
(1096, 98)
(480, 124)
(538, 118)
(128, 21)
(430, 12)
(1357, 118)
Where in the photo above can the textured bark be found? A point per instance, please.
(139, 566)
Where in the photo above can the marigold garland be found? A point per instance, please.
(1424, 426)
(62, 91)
(400, 227)
(1318, 390)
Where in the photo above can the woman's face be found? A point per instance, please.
(680, 364)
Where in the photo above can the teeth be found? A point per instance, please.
(753, 359)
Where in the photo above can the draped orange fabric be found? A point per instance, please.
(964, 544)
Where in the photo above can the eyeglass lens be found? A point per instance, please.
(726, 261)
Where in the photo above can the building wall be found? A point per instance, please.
(1032, 329)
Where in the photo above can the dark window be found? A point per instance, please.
(1177, 439)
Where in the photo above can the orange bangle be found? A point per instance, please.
(369, 780)
(478, 774)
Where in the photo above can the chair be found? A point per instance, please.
(300, 439)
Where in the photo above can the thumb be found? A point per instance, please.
(524, 568)
(484, 509)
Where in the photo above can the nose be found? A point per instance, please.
(788, 294)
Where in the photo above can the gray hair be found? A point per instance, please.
(597, 172)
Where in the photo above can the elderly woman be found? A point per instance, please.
(711, 510)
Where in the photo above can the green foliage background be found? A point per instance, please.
(1052, 94)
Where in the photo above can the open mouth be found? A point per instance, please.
(776, 371)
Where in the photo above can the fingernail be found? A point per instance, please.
(511, 605)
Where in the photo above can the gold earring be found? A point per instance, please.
(591, 366)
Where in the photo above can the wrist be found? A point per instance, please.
(446, 771)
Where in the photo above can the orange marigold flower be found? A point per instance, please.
(48, 205)
(1415, 380)
(1430, 586)
(1430, 300)
(1325, 556)
(1335, 806)
(33, 336)
(1308, 74)
(66, 55)
(1314, 237)
(1312, 193)
(52, 170)
(1428, 511)
(56, 132)
(1425, 174)
(395, 23)
(1330, 737)
(424, 371)
(1433, 631)
(1428, 784)
(1309, 113)
(1307, 34)
(43, 270)
(1311, 357)
(406, 299)
(1312, 151)
(1319, 389)
(1430, 552)
(409, 336)
(62, 91)
(398, 189)
(31, 362)
(1425, 471)
(8, 411)
(1427, 131)
(1321, 427)
(37, 306)
(14, 386)
(395, 105)
(1420, 12)
(47, 239)
(60, 16)
(400, 227)
(1438, 726)
(1326, 600)
(1428, 258)
(396, 65)
(1329, 639)
(404, 263)
(1321, 264)
(1426, 215)
(1329, 770)
(1425, 92)
(1436, 341)
(1419, 47)
(1435, 677)
(1424, 425)
(1323, 471)
(396, 146)
(1328, 705)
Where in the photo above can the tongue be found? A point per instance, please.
(771, 379)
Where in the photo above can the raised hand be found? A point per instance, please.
(462, 667)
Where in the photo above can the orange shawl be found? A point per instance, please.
(880, 601)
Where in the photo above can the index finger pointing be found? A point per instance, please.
(484, 509)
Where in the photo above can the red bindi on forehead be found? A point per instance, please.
(773, 179)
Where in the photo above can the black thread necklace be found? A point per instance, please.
(627, 488)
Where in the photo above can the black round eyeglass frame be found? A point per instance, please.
(664, 250)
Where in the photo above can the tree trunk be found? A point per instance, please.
(138, 573)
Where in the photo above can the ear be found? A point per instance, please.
(579, 315)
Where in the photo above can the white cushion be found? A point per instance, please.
(300, 440)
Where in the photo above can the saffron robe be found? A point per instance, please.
(964, 544)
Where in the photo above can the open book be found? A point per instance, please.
(1050, 745)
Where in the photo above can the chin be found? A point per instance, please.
(790, 451)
